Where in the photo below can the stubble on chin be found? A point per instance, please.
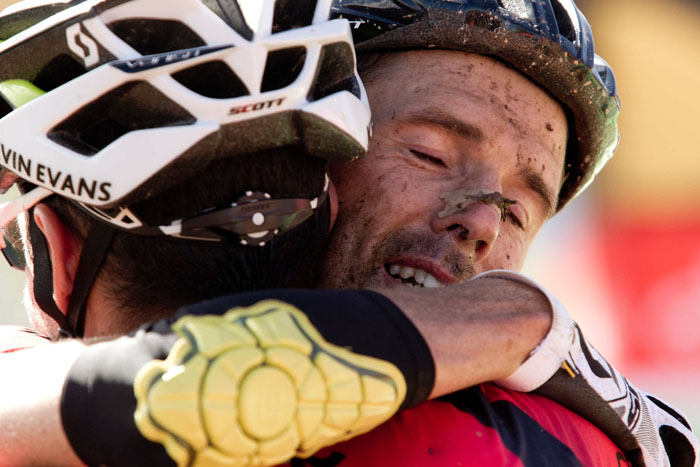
(341, 269)
(354, 264)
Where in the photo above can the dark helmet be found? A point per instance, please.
(550, 41)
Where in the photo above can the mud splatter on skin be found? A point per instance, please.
(462, 72)
(456, 74)
(556, 147)
(522, 128)
(459, 200)
(509, 93)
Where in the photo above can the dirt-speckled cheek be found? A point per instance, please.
(508, 251)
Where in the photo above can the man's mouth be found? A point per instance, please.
(413, 277)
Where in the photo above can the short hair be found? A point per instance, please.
(149, 277)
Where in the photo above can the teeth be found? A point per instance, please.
(430, 282)
(407, 272)
(421, 277)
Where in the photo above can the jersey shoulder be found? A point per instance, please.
(14, 338)
(485, 425)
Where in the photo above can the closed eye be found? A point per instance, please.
(516, 221)
(427, 158)
(512, 217)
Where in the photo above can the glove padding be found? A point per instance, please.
(258, 386)
(565, 368)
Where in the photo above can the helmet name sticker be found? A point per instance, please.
(257, 207)
(82, 45)
(148, 62)
(256, 106)
(57, 180)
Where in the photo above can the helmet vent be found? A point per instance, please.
(520, 8)
(230, 11)
(150, 37)
(133, 106)
(5, 107)
(58, 71)
(292, 14)
(212, 79)
(336, 72)
(566, 28)
(282, 68)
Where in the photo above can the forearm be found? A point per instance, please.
(478, 331)
(32, 431)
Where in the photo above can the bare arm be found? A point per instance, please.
(32, 432)
(478, 331)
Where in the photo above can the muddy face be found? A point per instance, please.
(448, 126)
(460, 200)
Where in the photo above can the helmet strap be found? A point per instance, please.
(43, 277)
(92, 255)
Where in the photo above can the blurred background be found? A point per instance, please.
(625, 257)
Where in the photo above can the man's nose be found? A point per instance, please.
(474, 228)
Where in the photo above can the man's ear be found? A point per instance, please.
(64, 249)
(333, 199)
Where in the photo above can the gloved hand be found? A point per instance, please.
(567, 369)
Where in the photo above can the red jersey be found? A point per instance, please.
(481, 426)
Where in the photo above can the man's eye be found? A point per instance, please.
(512, 217)
(427, 158)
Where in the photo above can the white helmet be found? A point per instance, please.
(109, 102)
